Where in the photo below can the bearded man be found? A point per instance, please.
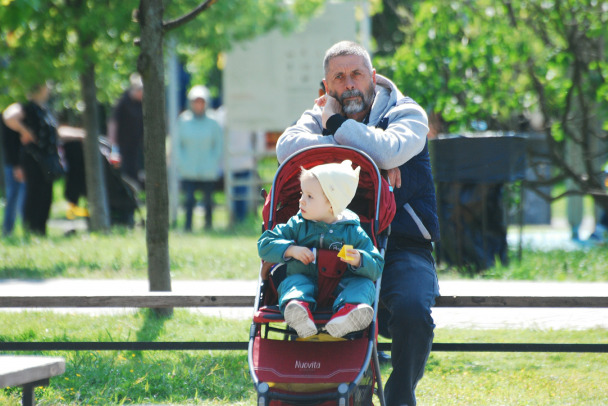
(366, 111)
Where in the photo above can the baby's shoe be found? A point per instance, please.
(298, 316)
(350, 318)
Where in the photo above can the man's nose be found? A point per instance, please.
(350, 83)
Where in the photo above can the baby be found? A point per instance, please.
(324, 222)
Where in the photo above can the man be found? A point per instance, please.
(126, 130)
(366, 111)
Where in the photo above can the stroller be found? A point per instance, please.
(318, 370)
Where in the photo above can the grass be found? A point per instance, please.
(222, 378)
(233, 255)
(122, 255)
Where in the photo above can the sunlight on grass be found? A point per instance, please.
(123, 256)
(213, 378)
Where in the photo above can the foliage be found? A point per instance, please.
(479, 60)
(42, 41)
(512, 66)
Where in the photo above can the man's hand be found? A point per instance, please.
(302, 254)
(394, 177)
(18, 174)
(330, 106)
(25, 136)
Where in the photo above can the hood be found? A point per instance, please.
(387, 95)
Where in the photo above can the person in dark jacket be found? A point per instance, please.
(366, 111)
(37, 128)
(126, 130)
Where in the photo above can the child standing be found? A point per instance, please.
(324, 222)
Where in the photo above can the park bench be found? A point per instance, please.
(29, 372)
(170, 300)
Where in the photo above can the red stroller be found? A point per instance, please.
(319, 370)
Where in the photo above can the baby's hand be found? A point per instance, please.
(302, 254)
(353, 257)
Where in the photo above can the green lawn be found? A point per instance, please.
(233, 255)
(222, 377)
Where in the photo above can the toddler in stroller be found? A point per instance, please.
(324, 222)
(340, 367)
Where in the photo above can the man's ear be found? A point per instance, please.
(374, 76)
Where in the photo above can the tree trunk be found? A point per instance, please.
(151, 67)
(95, 178)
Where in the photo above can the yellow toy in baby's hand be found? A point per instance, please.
(342, 253)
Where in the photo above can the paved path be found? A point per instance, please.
(487, 318)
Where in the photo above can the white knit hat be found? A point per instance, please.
(339, 183)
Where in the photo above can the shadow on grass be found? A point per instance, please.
(154, 324)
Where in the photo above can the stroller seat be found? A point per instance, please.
(330, 270)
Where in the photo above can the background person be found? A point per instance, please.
(126, 131)
(14, 180)
(37, 128)
(366, 111)
(72, 141)
(199, 154)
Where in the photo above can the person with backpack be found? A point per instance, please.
(41, 164)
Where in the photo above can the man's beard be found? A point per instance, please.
(359, 104)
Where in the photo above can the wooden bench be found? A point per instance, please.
(29, 372)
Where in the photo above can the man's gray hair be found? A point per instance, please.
(344, 48)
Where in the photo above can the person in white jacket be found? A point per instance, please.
(199, 154)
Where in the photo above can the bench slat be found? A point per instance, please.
(169, 300)
(22, 370)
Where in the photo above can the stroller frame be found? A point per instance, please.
(345, 392)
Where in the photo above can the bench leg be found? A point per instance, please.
(29, 397)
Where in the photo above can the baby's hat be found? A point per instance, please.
(339, 183)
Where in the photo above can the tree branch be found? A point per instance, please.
(169, 25)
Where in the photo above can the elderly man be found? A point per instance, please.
(366, 111)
